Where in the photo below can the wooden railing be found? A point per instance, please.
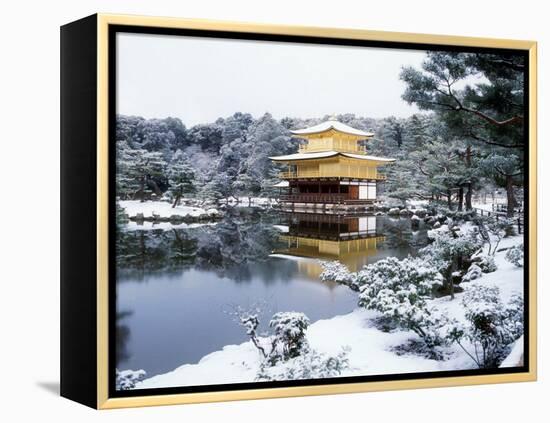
(324, 198)
(359, 149)
(301, 174)
(315, 198)
(343, 174)
(500, 213)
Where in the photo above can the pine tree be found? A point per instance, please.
(394, 129)
(181, 177)
(488, 112)
(139, 173)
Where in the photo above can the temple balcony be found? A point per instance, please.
(324, 198)
(344, 172)
(342, 147)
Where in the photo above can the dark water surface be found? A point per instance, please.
(176, 289)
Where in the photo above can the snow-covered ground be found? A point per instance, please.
(371, 350)
(489, 205)
(516, 355)
(163, 209)
(165, 226)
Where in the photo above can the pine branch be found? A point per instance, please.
(486, 141)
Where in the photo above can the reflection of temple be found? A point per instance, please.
(350, 239)
(332, 169)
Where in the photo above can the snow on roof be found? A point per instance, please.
(362, 156)
(326, 154)
(281, 184)
(332, 124)
(300, 156)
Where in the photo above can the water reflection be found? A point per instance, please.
(174, 285)
(351, 239)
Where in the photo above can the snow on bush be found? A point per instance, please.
(335, 271)
(286, 354)
(450, 251)
(309, 365)
(515, 255)
(492, 231)
(485, 262)
(474, 272)
(249, 319)
(289, 339)
(399, 289)
(127, 379)
(289, 334)
(491, 325)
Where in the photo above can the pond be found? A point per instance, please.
(177, 289)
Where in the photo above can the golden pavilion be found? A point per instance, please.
(332, 167)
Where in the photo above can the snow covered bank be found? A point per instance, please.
(165, 226)
(371, 350)
(163, 211)
(515, 358)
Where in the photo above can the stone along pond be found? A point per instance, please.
(176, 288)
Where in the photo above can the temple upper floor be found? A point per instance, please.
(332, 136)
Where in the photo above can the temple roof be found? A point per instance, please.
(326, 154)
(332, 124)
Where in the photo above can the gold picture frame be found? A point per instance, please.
(102, 22)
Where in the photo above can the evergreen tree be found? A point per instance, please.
(505, 169)
(418, 130)
(180, 177)
(141, 172)
(489, 111)
(266, 137)
(394, 130)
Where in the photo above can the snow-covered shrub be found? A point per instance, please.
(420, 212)
(289, 338)
(492, 231)
(127, 379)
(249, 319)
(485, 262)
(491, 325)
(393, 211)
(450, 251)
(335, 271)
(515, 255)
(399, 289)
(474, 272)
(309, 365)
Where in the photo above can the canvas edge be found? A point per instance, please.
(103, 400)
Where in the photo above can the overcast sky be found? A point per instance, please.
(201, 79)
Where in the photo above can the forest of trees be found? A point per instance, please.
(467, 140)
